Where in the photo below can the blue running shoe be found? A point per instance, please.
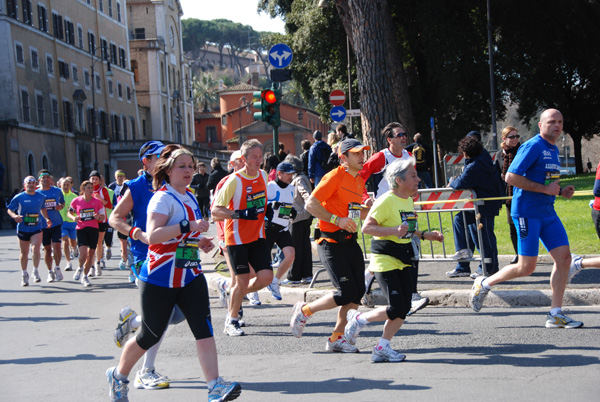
(118, 389)
(224, 391)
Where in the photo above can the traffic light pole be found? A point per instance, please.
(275, 87)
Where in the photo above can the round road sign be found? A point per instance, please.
(337, 97)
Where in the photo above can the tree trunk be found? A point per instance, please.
(382, 82)
(576, 137)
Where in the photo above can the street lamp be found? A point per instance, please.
(109, 73)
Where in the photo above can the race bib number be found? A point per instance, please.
(31, 219)
(86, 214)
(285, 211)
(257, 200)
(354, 209)
(409, 218)
(551, 176)
(50, 203)
(186, 255)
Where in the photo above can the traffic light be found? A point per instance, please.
(270, 100)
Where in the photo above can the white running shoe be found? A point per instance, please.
(69, 266)
(124, 328)
(560, 320)
(59, 274)
(150, 379)
(92, 268)
(340, 346)
(25, 279)
(77, 274)
(298, 320)
(254, 299)
(76, 252)
(85, 281)
(417, 303)
(386, 354)
(275, 292)
(575, 266)
(224, 391)
(223, 296)
(232, 328)
(478, 294)
(463, 254)
(36, 276)
(108, 253)
(103, 263)
(118, 389)
(98, 270)
(51, 277)
(353, 327)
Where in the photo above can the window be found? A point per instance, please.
(118, 11)
(49, 65)
(31, 165)
(45, 164)
(80, 36)
(165, 119)
(124, 121)
(92, 128)
(86, 78)
(140, 33)
(63, 69)
(68, 116)
(109, 83)
(57, 26)
(211, 134)
(122, 58)
(19, 54)
(110, 8)
(144, 128)
(27, 14)
(98, 83)
(113, 53)
(101, 5)
(75, 74)
(35, 62)
(55, 119)
(128, 92)
(42, 18)
(224, 120)
(132, 120)
(103, 125)
(69, 32)
(11, 6)
(92, 42)
(39, 98)
(104, 49)
(25, 106)
(162, 75)
(79, 119)
(116, 133)
(119, 90)
(134, 69)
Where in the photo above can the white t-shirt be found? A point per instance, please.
(285, 198)
(166, 204)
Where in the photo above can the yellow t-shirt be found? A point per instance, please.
(390, 210)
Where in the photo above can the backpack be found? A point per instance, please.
(333, 161)
(419, 152)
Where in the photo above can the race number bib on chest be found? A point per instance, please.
(50, 203)
(551, 176)
(285, 211)
(409, 218)
(186, 255)
(31, 219)
(354, 209)
(87, 214)
(257, 200)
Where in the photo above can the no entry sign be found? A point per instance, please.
(337, 97)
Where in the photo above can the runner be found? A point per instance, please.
(336, 202)
(241, 202)
(280, 210)
(51, 237)
(68, 228)
(87, 211)
(172, 275)
(392, 223)
(535, 175)
(25, 209)
(101, 193)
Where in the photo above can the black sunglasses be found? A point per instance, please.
(513, 136)
(397, 135)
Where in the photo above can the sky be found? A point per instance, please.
(242, 11)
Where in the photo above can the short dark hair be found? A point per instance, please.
(387, 130)
(471, 146)
(342, 129)
(305, 145)
(215, 162)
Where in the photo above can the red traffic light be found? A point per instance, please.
(269, 96)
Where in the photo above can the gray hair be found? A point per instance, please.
(250, 144)
(295, 161)
(397, 169)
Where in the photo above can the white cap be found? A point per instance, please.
(235, 155)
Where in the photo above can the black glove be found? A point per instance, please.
(248, 214)
(293, 213)
(277, 204)
(269, 212)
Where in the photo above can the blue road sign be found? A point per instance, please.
(338, 113)
(280, 55)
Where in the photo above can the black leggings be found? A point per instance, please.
(157, 305)
(345, 265)
(396, 286)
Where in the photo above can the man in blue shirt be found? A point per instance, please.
(535, 175)
(51, 237)
(317, 158)
(25, 208)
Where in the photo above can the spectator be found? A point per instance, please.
(216, 175)
(510, 145)
(270, 165)
(304, 157)
(282, 154)
(317, 158)
(199, 185)
(424, 158)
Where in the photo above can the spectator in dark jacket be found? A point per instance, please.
(216, 175)
(304, 157)
(317, 158)
(510, 145)
(481, 176)
(199, 185)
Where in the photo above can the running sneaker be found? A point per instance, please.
(124, 328)
(340, 346)
(478, 294)
(77, 274)
(36, 276)
(58, 273)
(287, 282)
(91, 271)
(131, 278)
(275, 292)
(353, 327)
(118, 389)
(240, 316)
(85, 281)
(298, 320)
(307, 280)
(108, 253)
(51, 276)
(69, 266)
(254, 299)
(223, 296)
(76, 252)
(122, 265)
(367, 300)
(150, 379)
(386, 354)
(417, 303)
(575, 266)
(232, 328)
(25, 279)
(463, 254)
(560, 320)
(224, 391)
(98, 270)
(103, 263)
(478, 272)
(455, 273)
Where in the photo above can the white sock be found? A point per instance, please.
(276, 280)
(383, 343)
(136, 322)
(211, 384)
(119, 376)
(485, 285)
(362, 319)
(555, 311)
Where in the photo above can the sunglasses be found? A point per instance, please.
(30, 181)
(397, 135)
(513, 136)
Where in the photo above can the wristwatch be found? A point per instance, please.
(235, 215)
(184, 226)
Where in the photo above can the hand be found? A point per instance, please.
(199, 225)
(568, 192)
(48, 223)
(248, 214)
(348, 225)
(59, 207)
(369, 202)
(205, 244)
(434, 236)
(18, 218)
(312, 181)
(553, 188)
(269, 212)
(402, 229)
(293, 213)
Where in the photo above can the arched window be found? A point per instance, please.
(165, 119)
(45, 164)
(31, 165)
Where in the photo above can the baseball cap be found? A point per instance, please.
(151, 148)
(235, 155)
(286, 167)
(352, 145)
(94, 173)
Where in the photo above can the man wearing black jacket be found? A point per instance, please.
(216, 175)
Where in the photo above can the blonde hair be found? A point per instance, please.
(506, 130)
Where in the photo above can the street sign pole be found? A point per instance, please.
(435, 161)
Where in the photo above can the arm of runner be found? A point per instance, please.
(118, 217)
(374, 164)
(524, 183)
(318, 211)
(371, 227)
(18, 218)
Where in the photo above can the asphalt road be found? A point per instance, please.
(57, 344)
